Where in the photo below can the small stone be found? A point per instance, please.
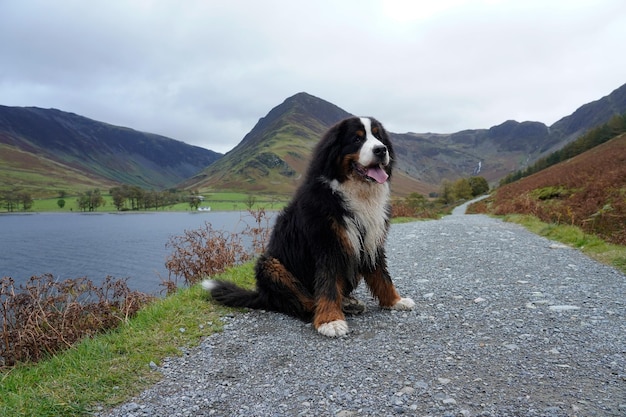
(443, 381)
(182, 330)
(479, 300)
(132, 407)
(429, 295)
(449, 401)
(564, 307)
(406, 390)
(558, 246)
(153, 366)
(421, 384)
(345, 413)
(511, 346)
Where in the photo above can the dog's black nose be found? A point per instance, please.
(380, 150)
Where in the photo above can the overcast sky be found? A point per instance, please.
(204, 72)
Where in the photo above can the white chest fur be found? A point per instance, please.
(366, 227)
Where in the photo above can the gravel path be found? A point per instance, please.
(506, 324)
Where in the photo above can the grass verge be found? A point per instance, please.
(592, 246)
(105, 370)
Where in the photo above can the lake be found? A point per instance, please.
(122, 245)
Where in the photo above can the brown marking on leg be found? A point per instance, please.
(326, 311)
(279, 274)
(382, 288)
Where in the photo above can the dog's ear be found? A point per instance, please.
(326, 158)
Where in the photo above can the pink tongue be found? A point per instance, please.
(378, 174)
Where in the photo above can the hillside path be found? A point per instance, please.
(506, 324)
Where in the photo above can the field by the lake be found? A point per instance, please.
(217, 201)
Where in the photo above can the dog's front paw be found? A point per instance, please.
(404, 304)
(335, 328)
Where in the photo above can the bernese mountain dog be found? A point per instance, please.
(330, 236)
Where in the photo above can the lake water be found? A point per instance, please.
(128, 245)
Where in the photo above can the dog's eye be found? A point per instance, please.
(358, 139)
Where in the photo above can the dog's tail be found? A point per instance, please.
(231, 295)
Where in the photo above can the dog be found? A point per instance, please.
(330, 236)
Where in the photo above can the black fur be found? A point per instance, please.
(307, 261)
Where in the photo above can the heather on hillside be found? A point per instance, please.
(588, 191)
(591, 139)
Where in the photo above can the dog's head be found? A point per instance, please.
(357, 149)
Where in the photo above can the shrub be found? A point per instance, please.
(45, 316)
(204, 252)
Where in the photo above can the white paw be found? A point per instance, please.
(208, 284)
(404, 304)
(335, 328)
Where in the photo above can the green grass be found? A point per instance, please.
(110, 368)
(593, 246)
(218, 201)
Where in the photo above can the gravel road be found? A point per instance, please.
(506, 324)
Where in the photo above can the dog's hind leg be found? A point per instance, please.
(286, 294)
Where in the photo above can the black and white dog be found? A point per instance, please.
(330, 236)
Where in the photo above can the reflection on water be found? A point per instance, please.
(71, 245)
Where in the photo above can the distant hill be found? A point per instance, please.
(273, 156)
(587, 191)
(502, 149)
(48, 148)
(45, 149)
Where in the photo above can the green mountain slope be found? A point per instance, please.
(275, 154)
(44, 148)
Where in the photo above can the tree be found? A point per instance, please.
(194, 200)
(61, 203)
(26, 200)
(119, 197)
(9, 200)
(250, 201)
(90, 201)
(462, 189)
(446, 196)
(479, 186)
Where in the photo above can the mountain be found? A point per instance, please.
(499, 150)
(273, 156)
(49, 148)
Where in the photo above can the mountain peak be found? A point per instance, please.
(299, 108)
